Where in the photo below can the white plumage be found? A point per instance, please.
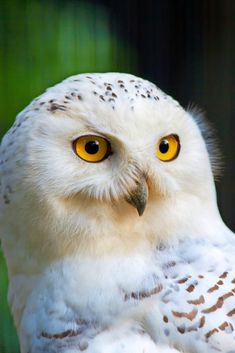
(86, 272)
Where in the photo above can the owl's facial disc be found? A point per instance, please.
(95, 149)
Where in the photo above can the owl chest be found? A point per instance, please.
(197, 304)
(189, 300)
(110, 288)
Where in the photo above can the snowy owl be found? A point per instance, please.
(110, 226)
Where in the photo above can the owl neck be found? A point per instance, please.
(64, 230)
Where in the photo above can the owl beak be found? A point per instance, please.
(138, 197)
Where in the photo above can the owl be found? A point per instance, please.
(110, 226)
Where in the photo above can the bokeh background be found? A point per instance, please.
(187, 47)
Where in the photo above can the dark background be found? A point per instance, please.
(186, 47)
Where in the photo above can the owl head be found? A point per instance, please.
(99, 164)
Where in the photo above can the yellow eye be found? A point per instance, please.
(92, 148)
(168, 148)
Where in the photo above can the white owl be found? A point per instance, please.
(87, 273)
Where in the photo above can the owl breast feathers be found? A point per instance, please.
(110, 226)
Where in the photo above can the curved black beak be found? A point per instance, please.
(138, 197)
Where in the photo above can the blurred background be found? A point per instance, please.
(185, 47)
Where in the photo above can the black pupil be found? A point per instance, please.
(164, 146)
(92, 147)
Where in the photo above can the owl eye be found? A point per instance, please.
(92, 148)
(168, 148)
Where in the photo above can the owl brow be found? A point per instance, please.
(107, 134)
(103, 132)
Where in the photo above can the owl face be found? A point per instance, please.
(95, 149)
